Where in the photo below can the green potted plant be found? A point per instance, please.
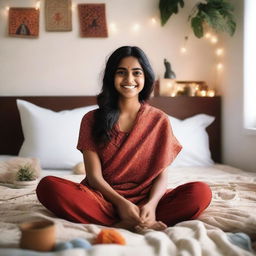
(216, 14)
(25, 177)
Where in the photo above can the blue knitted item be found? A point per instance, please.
(63, 246)
(80, 243)
(74, 243)
(240, 239)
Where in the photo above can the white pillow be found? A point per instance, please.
(6, 157)
(194, 138)
(51, 136)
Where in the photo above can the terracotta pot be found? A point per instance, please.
(38, 235)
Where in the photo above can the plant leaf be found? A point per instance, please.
(197, 26)
(215, 19)
(182, 3)
(218, 14)
(168, 8)
(231, 27)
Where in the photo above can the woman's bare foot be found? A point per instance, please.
(157, 225)
(125, 224)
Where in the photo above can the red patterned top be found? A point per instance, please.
(131, 161)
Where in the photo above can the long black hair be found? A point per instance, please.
(108, 113)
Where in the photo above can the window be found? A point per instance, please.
(250, 66)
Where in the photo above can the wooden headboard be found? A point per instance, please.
(181, 107)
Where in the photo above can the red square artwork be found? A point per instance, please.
(24, 22)
(92, 19)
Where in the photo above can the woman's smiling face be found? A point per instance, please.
(129, 78)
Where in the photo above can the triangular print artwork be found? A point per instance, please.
(23, 22)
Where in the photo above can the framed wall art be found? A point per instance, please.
(58, 15)
(23, 22)
(92, 18)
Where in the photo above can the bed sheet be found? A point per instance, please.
(233, 209)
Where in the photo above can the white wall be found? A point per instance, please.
(62, 63)
(239, 148)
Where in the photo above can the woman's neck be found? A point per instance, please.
(129, 106)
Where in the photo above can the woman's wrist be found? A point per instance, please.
(119, 201)
(152, 203)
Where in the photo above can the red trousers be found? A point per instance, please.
(78, 203)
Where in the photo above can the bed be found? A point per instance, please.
(227, 227)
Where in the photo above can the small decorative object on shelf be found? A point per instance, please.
(173, 88)
(202, 93)
(167, 84)
(25, 177)
(167, 87)
(210, 93)
(168, 70)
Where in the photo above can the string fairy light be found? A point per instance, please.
(183, 49)
(210, 93)
(220, 66)
(113, 27)
(153, 21)
(214, 39)
(219, 51)
(202, 93)
(208, 35)
(37, 5)
(136, 27)
(5, 11)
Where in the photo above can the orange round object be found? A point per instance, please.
(110, 236)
